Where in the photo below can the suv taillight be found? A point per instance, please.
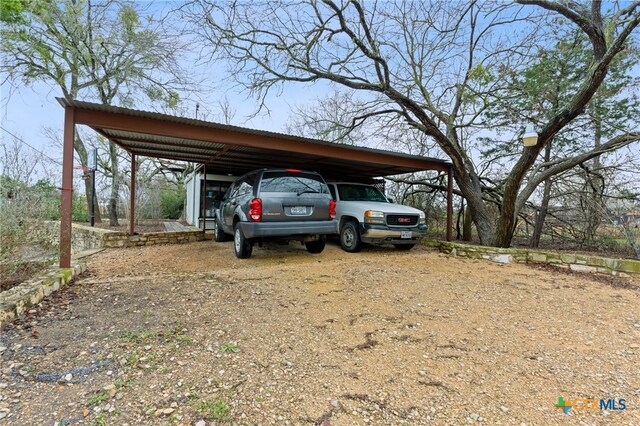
(255, 210)
(332, 210)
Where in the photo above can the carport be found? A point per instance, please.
(226, 150)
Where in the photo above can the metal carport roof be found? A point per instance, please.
(237, 150)
(223, 149)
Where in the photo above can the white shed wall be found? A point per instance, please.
(193, 184)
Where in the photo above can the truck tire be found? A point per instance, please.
(218, 234)
(316, 246)
(350, 240)
(404, 247)
(241, 246)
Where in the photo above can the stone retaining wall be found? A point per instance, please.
(17, 300)
(123, 239)
(573, 261)
(85, 238)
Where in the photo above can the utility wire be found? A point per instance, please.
(35, 149)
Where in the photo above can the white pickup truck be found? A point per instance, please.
(365, 215)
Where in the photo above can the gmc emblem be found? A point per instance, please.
(404, 220)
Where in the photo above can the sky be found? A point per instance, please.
(30, 111)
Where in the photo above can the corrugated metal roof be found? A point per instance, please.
(236, 150)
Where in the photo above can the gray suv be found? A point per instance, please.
(283, 204)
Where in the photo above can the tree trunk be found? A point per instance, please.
(460, 215)
(505, 226)
(467, 226)
(596, 184)
(542, 215)
(115, 185)
(472, 192)
(544, 205)
(81, 150)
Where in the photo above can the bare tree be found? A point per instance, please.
(571, 205)
(93, 50)
(21, 163)
(437, 65)
(27, 199)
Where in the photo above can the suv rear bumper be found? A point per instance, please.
(287, 229)
(384, 234)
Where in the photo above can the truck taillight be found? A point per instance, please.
(332, 210)
(255, 210)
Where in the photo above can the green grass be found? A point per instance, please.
(98, 398)
(139, 337)
(217, 410)
(124, 383)
(101, 419)
(132, 359)
(229, 347)
(184, 339)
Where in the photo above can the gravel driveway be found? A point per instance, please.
(188, 334)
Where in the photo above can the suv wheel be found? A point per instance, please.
(218, 234)
(241, 246)
(316, 246)
(350, 240)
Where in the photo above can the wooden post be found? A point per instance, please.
(132, 201)
(66, 205)
(450, 203)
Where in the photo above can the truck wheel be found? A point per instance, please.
(350, 240)
(218, 234)
(315, 246)
(404, 247)
(241, 246)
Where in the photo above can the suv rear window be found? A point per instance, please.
(293, 182)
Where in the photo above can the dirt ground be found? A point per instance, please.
(12, 275)
(189, 335)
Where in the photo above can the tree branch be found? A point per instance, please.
(564, 165)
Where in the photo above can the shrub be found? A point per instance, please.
(23, 209)
(172, 202)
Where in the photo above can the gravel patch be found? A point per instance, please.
(189, 335)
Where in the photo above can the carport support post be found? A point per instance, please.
(132, 193)
(204, 198)
(450, 203)
(66, 205)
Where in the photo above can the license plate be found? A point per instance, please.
(298, 210)
(405, 234)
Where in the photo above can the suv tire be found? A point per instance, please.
(218, 234)
(316, 246)
(350, 240)
(241, 246)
